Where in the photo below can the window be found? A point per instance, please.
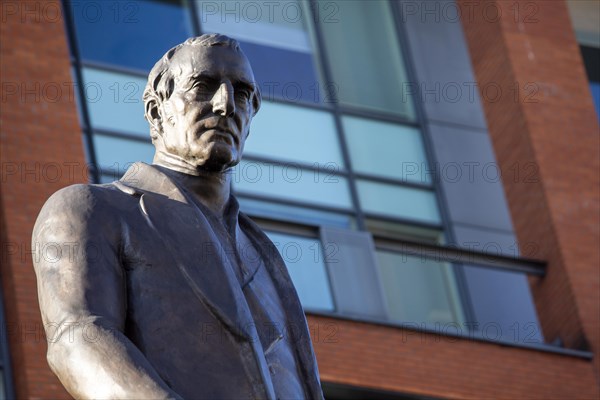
(418, 289)
(336, 146)
(360, 38)
(304, 260)
(101, 27)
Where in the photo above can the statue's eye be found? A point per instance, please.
(244, 94)
(202, 87)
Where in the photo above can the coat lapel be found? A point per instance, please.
(290, 302)
(207, 270)
(195, 248)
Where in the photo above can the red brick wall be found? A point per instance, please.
(552, 125)
(366, 355)
(39, 133)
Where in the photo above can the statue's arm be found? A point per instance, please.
(82, 296)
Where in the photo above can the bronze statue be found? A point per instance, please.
(163, 289)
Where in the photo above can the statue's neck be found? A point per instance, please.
(212, 189)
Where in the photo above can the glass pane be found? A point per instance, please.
(419, 290)
(273, 36)
(390, 150)
(364, 54)
(398, 201)
(291, 183)
(116, 155)
(284, 212)
(108, 178)
(503, 304)
(295, 134)
(126, 33)
(115, 101)
(595, 89)
(304, 260)
(585, 16)
(273, 23)
(2, 390)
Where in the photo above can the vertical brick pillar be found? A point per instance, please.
(545, 134)
(41, 151)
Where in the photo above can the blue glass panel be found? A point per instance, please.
(284, 74)
(398, 201)
(108, 178)
(503, 305)
(304, 260)
(116, 155)
(273, 36)
(291, 183)
(296, 134)
(595, 88)
(301, 215)
(271, 23)
(364, 55)
(125, 32)
(115, 101)
(386, 149)
(419, 290)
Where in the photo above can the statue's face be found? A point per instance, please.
(207, 118)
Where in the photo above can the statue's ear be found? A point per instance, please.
(152, 114)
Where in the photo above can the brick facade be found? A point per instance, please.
(552, 127)
(40, 134)
(555, 206)
(410, 362)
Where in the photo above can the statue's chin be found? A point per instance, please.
(216, 160)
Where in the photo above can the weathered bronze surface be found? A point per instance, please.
(160, 288)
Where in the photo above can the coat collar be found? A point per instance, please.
(142, 178)
(196, 248)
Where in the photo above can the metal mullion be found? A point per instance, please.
(287, 227)
(459, 256)
(403, 221)
(466, 300)
(378, 115)
(299, 164)
(323, 107)
(294, 203)
(326, 70)
(123, 135)
(434, 252)
(344, 173)
(69, 22)
(195, 17)
(392, 181)
(118, 69)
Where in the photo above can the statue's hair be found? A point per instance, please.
(161, 79)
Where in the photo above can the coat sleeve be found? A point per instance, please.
(83, 300)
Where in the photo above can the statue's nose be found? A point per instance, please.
(222, 100)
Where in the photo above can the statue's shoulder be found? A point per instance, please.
(89, 197)
(98, 206)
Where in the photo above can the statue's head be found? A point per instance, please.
(199, 100)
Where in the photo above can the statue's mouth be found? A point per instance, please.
(223, 134)
(218, 127)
